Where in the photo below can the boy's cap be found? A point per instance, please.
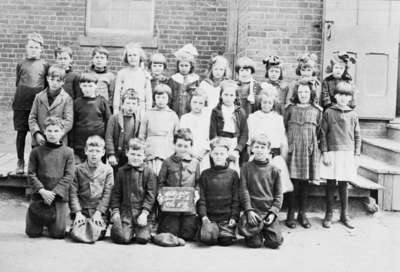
(344, 88)
(87, 232)
(41, 213)
(209, 233)
(36, 37)
(246, 230)
(167, 240)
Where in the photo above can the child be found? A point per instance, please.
(30, 80)
(198, 121)
(307, 71)
(105, 79)
(249, 88)
(133, 77)
(219, 194)
(261, 195)
(91, 114)
(228, 120)
(50, 173)
(338, 70)
(157, 66)
(158, 128)
(64, 59)
(269, 122)
(340, 146)
(180, 170)
(121, 127)
(302, 120)
(53, 101)
(185, 81)
(274, 76)
(219, 70)
(90, 191)
(133, 197)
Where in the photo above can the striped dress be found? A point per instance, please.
(302, 125)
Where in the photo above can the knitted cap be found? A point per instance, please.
(41, 213)
(187, 53)
(209, 233)
(158, 58)
(167, 240)
(249, 231)
(36, 37)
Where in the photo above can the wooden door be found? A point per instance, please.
(364, 29)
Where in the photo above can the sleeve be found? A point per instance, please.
(68, 115)
(151, 190)
(357, 137)
(32, 172)
(197, 177)
(163, 174)
(17, 74)
(33, 117)
(107, 112)
(235, 207)
(250, 127)
(244, 191)
(202, 206)
(76, 89)
(325, 99)
(108, 185)
(213, 125)
(286, 117)
(244, 132)
(74, 204)
(290, 94)
(62, 187)
(111, 90)
(143, 127)
(324, 132)
(176, 123)
(116, 193)
(117, 92)
(148, 94)
(110, 148)
(278, 195)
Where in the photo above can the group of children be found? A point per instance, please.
(239, 144)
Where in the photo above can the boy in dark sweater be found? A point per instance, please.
(91, 114)
(50, 173)
(133, 197)
(30, 80)
(261, 195)
(64, 59)
(180, 170)
(219, 194)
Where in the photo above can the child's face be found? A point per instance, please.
(64, 60)
(342, 99)
(218, 70)
(304, 94)
(184, 67)
(338, 70)
(182, 148)
(88, 89)
(267, 103)
(157, 68)
(53, 134)
(260, 151)
(219, 155)
(245, 74)
(228, 96)
(33, 50)
(55, 82)
(129, 106)
(197, 104)
(94, 154)
(133, 57)
(161, 100)
(274, 73)
(99, 60)
(306, 72)
(135, 157)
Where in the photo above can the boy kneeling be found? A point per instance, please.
(133, 197)
(90, 193)
(50, 172)
(261, 197)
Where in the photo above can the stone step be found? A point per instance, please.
(393, 132)
(383, 149)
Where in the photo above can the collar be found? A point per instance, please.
(53, 145)
(53, 94)
(338, 108)
(128, 167)
(220, 167)
(160, 77)
(178, 77)
(177, 159)
(98, 70)
(261, 163)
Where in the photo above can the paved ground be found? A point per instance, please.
(373, 246)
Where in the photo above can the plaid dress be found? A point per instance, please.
(302, 124)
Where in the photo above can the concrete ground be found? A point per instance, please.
(373, 246)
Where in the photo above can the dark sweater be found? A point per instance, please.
(51, 167)
(71, 84)
(328, 88)
(260, 187)
(219, 194)
(90, 118)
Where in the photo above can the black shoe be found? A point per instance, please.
(303, 220)
(20, 167)
(327, 222)
(290, 221)
(346, 221)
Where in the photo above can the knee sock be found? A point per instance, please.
(20, 142)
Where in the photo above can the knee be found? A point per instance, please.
(32, 234)
(57, 234)
(120, 239)
(141, 240)
(225, 241)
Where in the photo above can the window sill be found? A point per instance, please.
(112, 40)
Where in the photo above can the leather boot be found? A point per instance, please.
(290, 220)
(20, 167)
(344, 202)
(302, 216)
(330, 193)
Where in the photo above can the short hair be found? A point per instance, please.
(184, 134)
(88, 78)
(100, 50)
(53, 121)
(226, 84)
(162, 89)
(262, 139)
(245, 63)
(95, 141)
(56, 71)
(36, 37)
(136, 144)
(198, 92)
(219, 142)
(62, 49)
(130, 94)
(313, 94)
(136, 46)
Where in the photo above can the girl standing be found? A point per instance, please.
(185, 81)
(133, 77)
(340, 146)
(157, 67)
(302, 120)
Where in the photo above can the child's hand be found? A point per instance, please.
(232, 223)
(196, 196)
(115, 217)
(270, 218)
(97, 219)
(160, 199)
(326, 159)
(112, 160)
(253, 218)
(48, 196)
(142, 218)
(40, 138)
(79, 218)
(205, 220)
